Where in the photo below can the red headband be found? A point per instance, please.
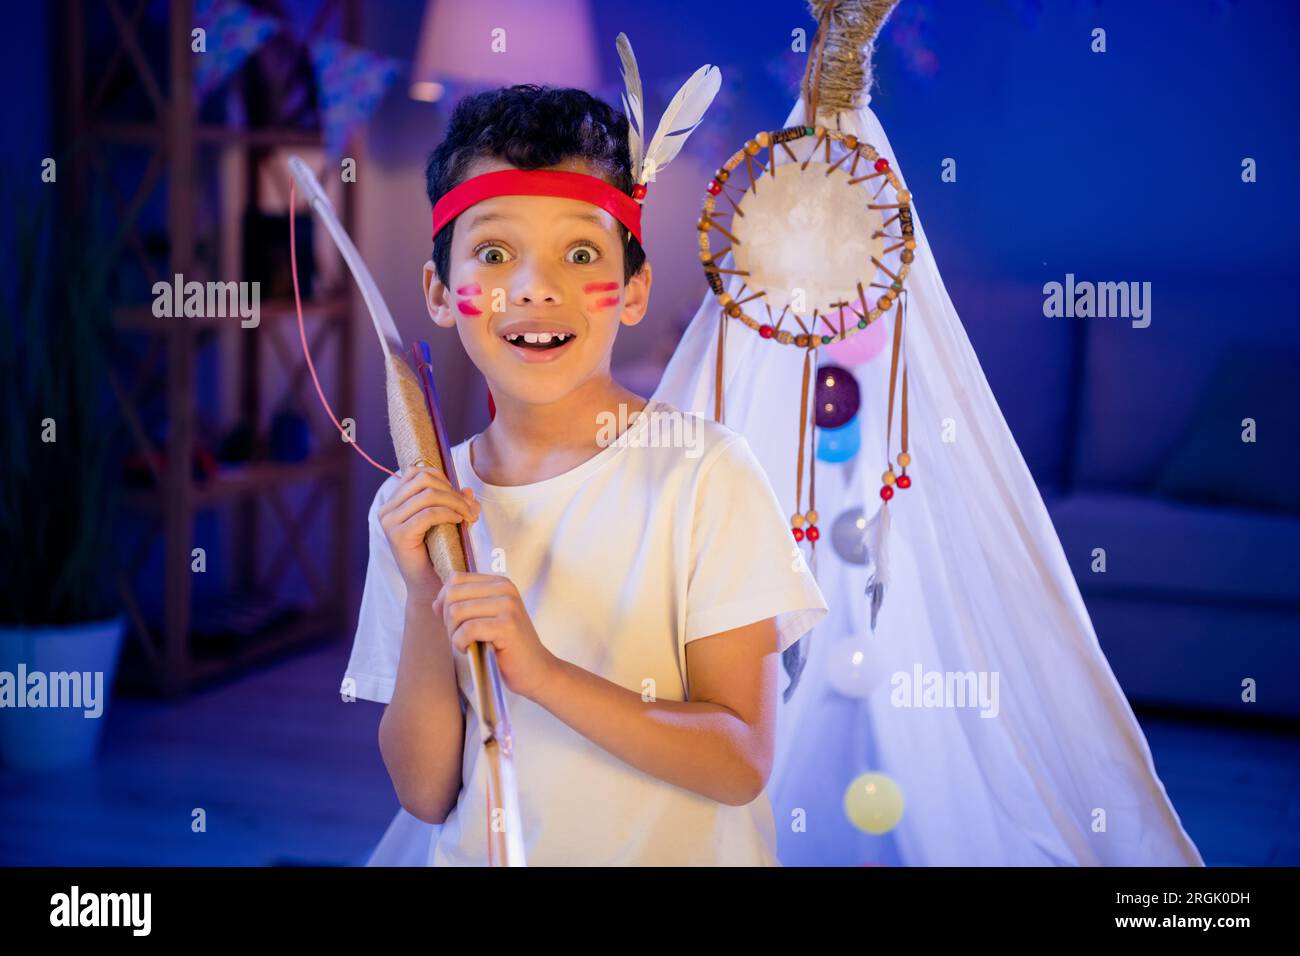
(538, 182)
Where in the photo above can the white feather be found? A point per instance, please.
(680, 119)
(632, 104)
(877, 534)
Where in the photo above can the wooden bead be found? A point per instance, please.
(909, 243)
(905, 197)
(752, 148)
(812, 517)
(888, 477)
(733, 310)
(796, 520)
(763, 139)
(904, 459)
(907, 255)
(820, 131)
(721, 175)
(851, 141)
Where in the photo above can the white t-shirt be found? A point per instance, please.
(669, 534)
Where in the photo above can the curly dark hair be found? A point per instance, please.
(532, 127)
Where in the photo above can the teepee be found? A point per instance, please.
(1050, 767)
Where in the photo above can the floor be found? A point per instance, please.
(1237, 791)
(287, 774)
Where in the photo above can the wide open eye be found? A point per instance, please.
(492, 254)
(583, 254)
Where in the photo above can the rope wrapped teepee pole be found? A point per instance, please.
(838, 73)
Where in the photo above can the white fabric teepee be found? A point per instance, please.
(1061, 773)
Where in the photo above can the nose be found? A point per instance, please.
(534, 285)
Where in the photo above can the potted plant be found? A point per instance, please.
(60, 631)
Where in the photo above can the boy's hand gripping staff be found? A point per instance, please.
(420, 440)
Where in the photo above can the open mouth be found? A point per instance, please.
(539, 341)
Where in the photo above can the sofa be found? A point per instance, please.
(1135, 436)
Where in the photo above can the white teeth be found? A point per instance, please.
(538, 338)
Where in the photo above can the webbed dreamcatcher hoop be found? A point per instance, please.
(827, 301)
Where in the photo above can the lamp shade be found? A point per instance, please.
(505, 42)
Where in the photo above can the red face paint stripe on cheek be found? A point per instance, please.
(600, 287)
(474, 289)
(605, 303)
(467, 308)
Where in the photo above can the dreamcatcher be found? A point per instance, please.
(806, 237)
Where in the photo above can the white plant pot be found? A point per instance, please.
(50, 737)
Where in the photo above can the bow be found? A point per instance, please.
(419, 439)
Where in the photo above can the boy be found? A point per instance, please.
(642, 590)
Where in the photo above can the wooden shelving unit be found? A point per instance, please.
(167, 352)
